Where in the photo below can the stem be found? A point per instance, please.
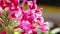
(9, 30)
(24, 2)
(2, 24)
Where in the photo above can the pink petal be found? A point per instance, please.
(15, 2)
(3, 32)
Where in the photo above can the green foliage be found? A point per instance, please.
(1, 28)
(0, 19)
(40, 32)
(5, 14)
(9, 30)
(49, 32)
(14, 22)
(16, 33)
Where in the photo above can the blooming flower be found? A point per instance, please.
(29, 20)
(3, 32)
(2, 3)
(32, 5)
(14, 2)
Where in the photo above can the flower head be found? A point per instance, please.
(29, 20)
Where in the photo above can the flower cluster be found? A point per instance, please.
(30, 20)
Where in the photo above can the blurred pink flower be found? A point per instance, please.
(2, 3)
(3, 32)
(43, 27)
(14, 12)
(0, 11)
(14, 2)
(32, 5)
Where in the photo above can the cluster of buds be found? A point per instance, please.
(29, 20)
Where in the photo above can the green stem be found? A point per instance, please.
(2, 24)
(9, 30)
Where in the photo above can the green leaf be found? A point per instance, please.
(0, 19)
(16, 33)
(5, 14)
(1, 28)
(40, 32)
(14, 22)
(49, 32)
(9, 30)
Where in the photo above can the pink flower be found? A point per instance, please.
(26, 25)
(14, 12)
(29, 20)
(23, 32)
(30, 32)
(32, 5)
(25, 16)
(8, 5)
(0, 11)
(24, 2)
(14, 2)
(2, 3)
(43, 27)
(3, 32)
(38, 10)
(34, 32)
(12, 15)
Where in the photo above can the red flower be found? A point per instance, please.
(33, 32)
(14, 2)
(3, 32)
(32, 5)
(2, 3)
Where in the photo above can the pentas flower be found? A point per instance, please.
(14, 2)
(15, 12)
(32, 5)
(3, 32)
(8, 5)
(5, 3)
(43, 27)
(34, 32)
(2, 3)
(29, 20)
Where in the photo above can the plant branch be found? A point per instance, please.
(2, 24)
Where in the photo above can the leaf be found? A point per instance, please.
(49, 32)
(1, 28)
(40, 32)
(14, 22)
(9, 30)
(16, 33)
(0, 19)
(5, 14)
